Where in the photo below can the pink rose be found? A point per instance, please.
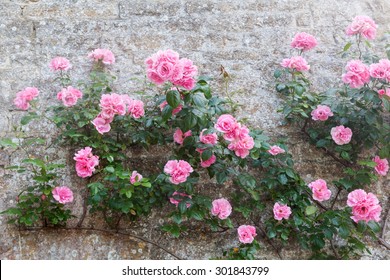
(69, 96)
(275, 150)
(136, 109)
(281, 211)
(246, 234)
(320, 190)
(341, 135)
(383, 92)
(365, 207)
(321, 113)
(113, 104)
(62, 194)
(357, 74)
(103, 55)
(237, 133)
(175, 198)
(221, 208)
(24, 97)
(363, 25)
(211, 139)
(184, 73)
(85, 162)
(135, 177)
(296, 62)
(60, 64)
(21, 103)
(303, 41)
(178, 171)
(382, 165)
(381, 70)
(242, 147)
(209, 162)
(179, 136)
(225, 123)
(102, 125)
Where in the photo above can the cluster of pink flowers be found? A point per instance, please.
(275, 150)
(246, 234)
(69, 96)
(341, 135)
(178, 170)
(384, 92)
(177, 200)
(179, 136)
(62, 194)
(320, 190)
(238, 135)
(381, 70)
(281, 211)
(357, 74)
(174, 111)
(103, 55)
(321, 113)
(116, 104)
(60, 64)
(303, 41)
(382, 165)
(135, 177)
(167, 66)
(23, 98)
(364, 26)
(297, 63)
(365, 206)
(221, 208)
(85, 162)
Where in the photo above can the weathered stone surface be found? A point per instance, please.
(249, 38)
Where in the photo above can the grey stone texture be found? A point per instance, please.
(249, 38)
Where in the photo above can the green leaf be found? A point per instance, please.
(347, 46)
(35, 161)
(173, 98)
(189, 121)
(110, 169)
(283, 179)
(374, 226)
(27, 118)
(310, 210)
(199, 99)
(344, 231)
(182, 206)
(277, 73)
(368, 163)
(146, 184)
(7, 142)
(207, 154)
(166, 112)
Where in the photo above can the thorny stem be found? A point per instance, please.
(335, 199)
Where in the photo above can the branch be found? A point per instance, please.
(268, 240)
(385, 224)
(335, 199)
(107, 231)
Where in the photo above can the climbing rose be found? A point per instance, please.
(24, 97)
(209, 162)
(225, 123)
(69, 96)
(242, 146)
(103, 55)
(85, 162)
(303, 41)
(275, 150)
(296, 62)
(112, 104)
(62, 194)
(246, 234)
(176, 200)
(363, 25)
(211, 138)
(365, 206)
(321, 113)
(320, 190)
(281, 211)
(381, 70)
(136, 109)
(179, 136)
(382, 165)
(221, 208)
(178, 170)
(60, 64)
(341, 135)
(357, 74)
(135, 177)
(101, 124)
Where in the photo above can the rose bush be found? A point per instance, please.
(269, 200)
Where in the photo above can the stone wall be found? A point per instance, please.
(249, 38)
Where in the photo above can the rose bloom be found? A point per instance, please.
(85, 162)
(357, 74)
(382, 165)
(363, 25)
(178, 170)
(136, 109)
(101, 124)
(211, 139)
(209, 162)
(296, 62)
(341, 135)
(281, 211)
(69, 96)
(103, 55)
(113, 104)
(241, 148)
(174, 111)
(365, 206)
(320, 190)
(246, 234)
(381, 70)
(62, 194)
(24, 97)
(237, 133)
(135, 177)
(383, 92)
(321, 113)
(221, 208)
(60, 64)
(303, 41)
(177, 200)
(179, 136)
(225, 123)
(275, 150)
